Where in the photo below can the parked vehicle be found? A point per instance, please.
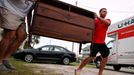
(122, 45)
(48, 53)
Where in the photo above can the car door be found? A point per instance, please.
(45, 53)
(57, 53)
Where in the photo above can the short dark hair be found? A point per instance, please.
(101, 9)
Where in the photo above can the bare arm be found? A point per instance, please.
(104, 21)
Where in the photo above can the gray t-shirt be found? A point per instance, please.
(18, 7)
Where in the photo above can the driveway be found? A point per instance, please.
(55, 69)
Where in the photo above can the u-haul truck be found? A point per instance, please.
(122, 44)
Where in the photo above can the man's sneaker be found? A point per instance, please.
(4, 69)
(8, 65)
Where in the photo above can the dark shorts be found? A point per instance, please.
(101, 48)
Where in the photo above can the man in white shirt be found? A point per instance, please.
(12, 20)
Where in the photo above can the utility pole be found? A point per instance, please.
(50, 41)
(72, 46)
(76, 3)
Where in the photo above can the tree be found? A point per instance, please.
(35, 40)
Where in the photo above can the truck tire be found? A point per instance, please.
(117, 67)
(97, 62)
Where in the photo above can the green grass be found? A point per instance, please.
(21, 69)
(77, 64)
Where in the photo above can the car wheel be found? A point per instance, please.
(98, 62)
(117, 67)
(28, 58)
(66, 61)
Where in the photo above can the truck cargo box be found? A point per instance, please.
(56, 19)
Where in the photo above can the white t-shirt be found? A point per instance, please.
(18, 7)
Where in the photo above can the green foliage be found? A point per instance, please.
(21, 69)
(35, 40)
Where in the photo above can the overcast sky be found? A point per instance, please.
(117, 10)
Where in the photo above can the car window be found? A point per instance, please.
(62, 49)
(51, 48)
(59, 49)
(45, 49)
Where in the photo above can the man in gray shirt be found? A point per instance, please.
(12, 20)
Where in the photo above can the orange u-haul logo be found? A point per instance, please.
(124, 32)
